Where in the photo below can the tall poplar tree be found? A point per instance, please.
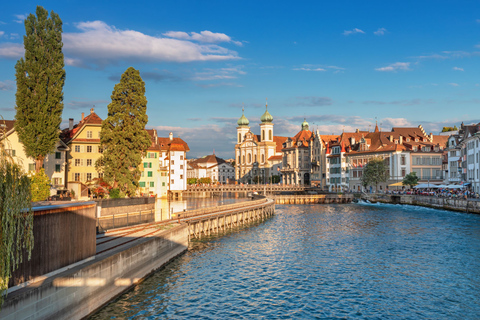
(123, 137)
(40, 78)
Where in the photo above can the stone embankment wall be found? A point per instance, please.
(316, 198)
(455, 204)
(107, 207)
(75, 293)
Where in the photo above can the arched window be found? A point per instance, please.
(243, 159)
(255, 157)
(249, 158)
(263, 158)
(239, 137)
(270, 135)
(263, 135)
(239, 160)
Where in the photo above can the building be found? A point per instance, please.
(54, 163)
(83, 141)
(297, 157)
(213, 167)
(469, 144)
(173, 163)
(258, 157)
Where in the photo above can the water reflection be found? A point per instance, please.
(322, 261)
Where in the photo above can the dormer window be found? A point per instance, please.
(416, 139)
(408, 140)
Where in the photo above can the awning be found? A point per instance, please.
(396, 184)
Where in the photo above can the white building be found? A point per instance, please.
(211, 167)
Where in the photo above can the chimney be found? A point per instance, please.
(391, 138)
(70, 124)
(401, 139)
(357, 131)
(431, 137)
(170, 135)
(83, 115)
(91, 111)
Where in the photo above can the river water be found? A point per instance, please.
(355, 261)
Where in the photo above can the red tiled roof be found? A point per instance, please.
(279, 142)
(275, 158)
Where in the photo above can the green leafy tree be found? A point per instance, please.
(192, 180)
(375, 172)
(410, 179)
(40, 186)
(123, 136)
(16, 225)
(40, 78)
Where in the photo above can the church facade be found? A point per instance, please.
(258, 157)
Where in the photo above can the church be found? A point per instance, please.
(258, 158)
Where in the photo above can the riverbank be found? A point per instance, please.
(454, 204)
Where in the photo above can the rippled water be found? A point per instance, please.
(325, 262)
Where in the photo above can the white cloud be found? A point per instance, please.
(309, 69)
(395, 66)
(20, 18)
(219, 74)
(2, 33)
(7, 85)
(99, 44)
(380, 31)
(353, 31)
(453, 84)
(395, 122)
(10, 50)
(203, 36)
(457, 69)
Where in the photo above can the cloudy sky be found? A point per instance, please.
(341, 65)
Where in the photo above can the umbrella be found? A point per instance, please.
(454, 186)
(422, 186)
(396, 184)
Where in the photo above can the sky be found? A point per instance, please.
(341, 65)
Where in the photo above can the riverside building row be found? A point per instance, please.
(72, 165)
(336, 162)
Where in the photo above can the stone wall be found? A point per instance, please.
(75, 293)
(128, 205)
(455, 204)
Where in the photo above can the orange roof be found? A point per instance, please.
(279, 142)
(275, 158)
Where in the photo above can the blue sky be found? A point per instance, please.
(341, 65)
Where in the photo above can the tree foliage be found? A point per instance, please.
(375, 172)
(410, 179)
(40, 77)
(123, 136)
(16, 226)
(40, 186)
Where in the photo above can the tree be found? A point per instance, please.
(375, 172)
(40, 186)
(410, 179)
(40, 78)
(123, 136)
(16, 225)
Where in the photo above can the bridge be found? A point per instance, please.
(210, 190)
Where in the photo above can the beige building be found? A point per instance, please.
(54, 163)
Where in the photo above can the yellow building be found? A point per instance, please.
(83, 141)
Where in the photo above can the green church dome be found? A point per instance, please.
(243, 121)
(266, 117)
(305, 125)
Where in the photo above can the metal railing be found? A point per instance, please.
(125, 220)
(198, 212)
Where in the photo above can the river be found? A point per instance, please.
(354, 261)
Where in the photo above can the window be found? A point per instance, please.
(77, 177)
(181, 176)
(404, 172)
(163, 184)
(89, 176)
(152, 184)
(181, 157)
(402, 161)
(142, 174)
(89, 149)
(58, 155)
(100, 175)
(77, 148)
(89, 162)
(57, 181)
(181, 167)
(149, 174)
(142, 184)
(57, 168)
(89, 135)
(173, 162)
(147, 164)
(239, 138)
(100, 150)
(270, 135)
(173, 181)
(173, 171)
(78, 162)
(263, 135)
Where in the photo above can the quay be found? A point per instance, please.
(453, 204)
(314, 198)
(118, 259)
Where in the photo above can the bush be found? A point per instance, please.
(116, 193)
(40, 186)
